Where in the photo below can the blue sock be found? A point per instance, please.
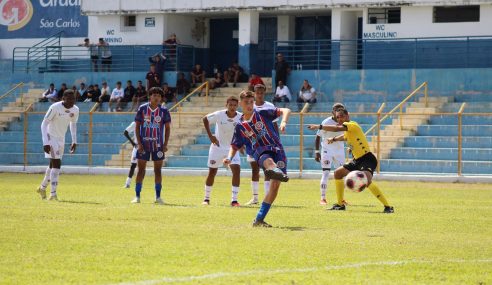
(265, 207)
(158, 188)
(138, 189)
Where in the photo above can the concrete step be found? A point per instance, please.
(439, 99)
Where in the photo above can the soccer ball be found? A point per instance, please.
(356, 181)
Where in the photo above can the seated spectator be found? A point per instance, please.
(88, 94)
(255, 79)
(197, 75)
(97, 93)
(78, 96)
(169, 96)
(50, 94)
(116, 96)
(233, 74)
(152, 78)
(82, 89)
(282, 94)
(169, 47)
(217, 81)
(182, 86)
(105, 94)
(307, 94)
(129, 92)
(140, 96)
(60, 92)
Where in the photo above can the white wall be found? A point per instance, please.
(417, 22)
(188, 29)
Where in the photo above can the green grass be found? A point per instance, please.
(440, 233)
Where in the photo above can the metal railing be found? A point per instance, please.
(11, 95)
(436, 52)
(57, 58)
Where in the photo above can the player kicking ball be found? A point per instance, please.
(53, 129)
(152, 126)
(333, 153)
(364, 160)
(256, 132)
(225, 121)
(133, 161)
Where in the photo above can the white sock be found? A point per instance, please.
(55, 172)
(235, 191)
(254, 187)
(109, 110)
(46, 178)
(128, 181)
(208, 189)
(266, 187)
(323, 184)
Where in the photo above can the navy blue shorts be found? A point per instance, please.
(146, 155)
(278, 157)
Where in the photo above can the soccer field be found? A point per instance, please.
(439, 233)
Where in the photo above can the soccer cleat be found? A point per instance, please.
(206, 202)
(337, 207)
(261, 224)
(126, 186)
(42, 192)
(388, 210)
(136, 200)
(53, 198)
(159, 201)
(323, 202)
(235, 204)
(276, 174)
(253, 201)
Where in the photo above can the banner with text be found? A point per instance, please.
(41, 18)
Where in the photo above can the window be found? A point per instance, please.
(453, 14)
(129, 23)
(384, 15)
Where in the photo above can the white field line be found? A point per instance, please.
(294, 270)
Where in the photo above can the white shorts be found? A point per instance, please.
(57, 146)
(250, 159)
(217, 154)
(336, 157)
(133, 158)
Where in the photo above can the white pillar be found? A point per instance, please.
(286, 28)
(248, 39)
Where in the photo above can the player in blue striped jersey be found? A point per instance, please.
(152, 131)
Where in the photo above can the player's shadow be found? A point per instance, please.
(289, 207)
(80, 202)
(363, 206)
(293, 229)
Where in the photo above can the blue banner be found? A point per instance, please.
(41, 18)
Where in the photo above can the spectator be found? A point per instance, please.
(82, 90)
(168, 94)
(282, 69)
(169, 47)
(307, 94)
(282, 94)
(97, 93)
(197, 75)
(217, 81)
(50, 94)
(105, 94)
(78, 96)
(159, 61)
(60, 92)
(129, 92)
(140, 95)
(233, 74)
(93, 52)
(182, 86)
(89, 94)
(106, 55)
(153, 79)
(116, 96)
(255, 79)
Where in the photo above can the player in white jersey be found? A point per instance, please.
(53, 129)
(131, 130)
(225, 121)
(260, 104)
(333, 153)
